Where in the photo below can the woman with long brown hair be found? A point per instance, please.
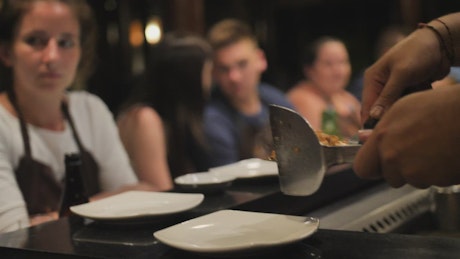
(162, 126)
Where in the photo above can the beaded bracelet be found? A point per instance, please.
(450, 36)
(443, 46)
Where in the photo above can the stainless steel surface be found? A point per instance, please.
(302, 160)
(339, 154)
(380, 209)
(447, 207)
(301, 165)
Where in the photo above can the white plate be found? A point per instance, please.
(138, 204)
(204, 181)
(248, 168)
(236, 231)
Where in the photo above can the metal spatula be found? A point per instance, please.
(302, 160)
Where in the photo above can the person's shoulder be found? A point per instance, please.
(300, 88)
(82, 95)
(86, 106)
(218, 103)
(7, 122)
(269, 88)
(82, 98)
(218, 111)
(304, 96)
(270, 92)
(139, 115)
(4, 113)
(346, 95)
(272, 95)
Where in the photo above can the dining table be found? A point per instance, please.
(78, 237)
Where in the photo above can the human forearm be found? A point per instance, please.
(448, 27)
(42, 218)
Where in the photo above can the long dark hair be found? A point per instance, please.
(174, 88)
(11, 14)
(310, 51)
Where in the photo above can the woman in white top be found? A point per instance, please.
(46, 47)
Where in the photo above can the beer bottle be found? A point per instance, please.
(74, 192)
(329, 123)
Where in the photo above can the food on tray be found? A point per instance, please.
(329, 140)
(272, 156)
(324, 139)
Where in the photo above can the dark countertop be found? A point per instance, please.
(78, 238)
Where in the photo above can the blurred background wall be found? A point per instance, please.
(129, 30)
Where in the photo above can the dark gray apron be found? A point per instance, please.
(40, 190)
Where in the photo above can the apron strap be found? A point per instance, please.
(65, 110)
(24, 133)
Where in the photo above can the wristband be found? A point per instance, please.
(442, 43)
(450, 37)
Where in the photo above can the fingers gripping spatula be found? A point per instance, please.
(302, 160)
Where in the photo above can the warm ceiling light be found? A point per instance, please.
(136, 37)
(153, 30)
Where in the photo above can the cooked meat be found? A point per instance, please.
(329, 140)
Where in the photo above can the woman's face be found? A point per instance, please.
(45, 51)
(332, 70)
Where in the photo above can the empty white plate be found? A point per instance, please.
(204, 181)
(137, 204)
(248, 168)
(236, 231)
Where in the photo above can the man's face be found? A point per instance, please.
(238, 68)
